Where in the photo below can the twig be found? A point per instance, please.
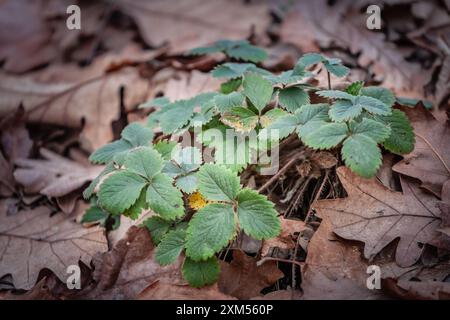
(265, 259)
(317, 195)
(279, 173)
(329, 80)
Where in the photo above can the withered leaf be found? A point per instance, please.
(31, 240)
(377, 216)
(285, 240)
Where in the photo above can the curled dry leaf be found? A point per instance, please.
(333, 269)
(244, 279)
(55, 176)
(130, 267)
(377, 216)
(430, 160)
(31, 240)
(285, 240)
(185, 27)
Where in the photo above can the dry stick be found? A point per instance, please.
(317, 195)
(435, 151)
(329, 80)
(265, 259)
(278, 174)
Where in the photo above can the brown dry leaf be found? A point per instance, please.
(55, 176)
(34, 239)
(167, 291)
(377, 216)
(280, 295)
(343, 24)
(285, 240)
(70, 96)
(442, 240)
(415, 290)
(385, 174)
(243, 279)
(443, 82)
(24, 46)
(194, 23)
(130, 267)
(324, 159)
(333, 269)
(7, 182)
(430, 160)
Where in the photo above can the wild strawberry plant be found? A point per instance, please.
(199, 207)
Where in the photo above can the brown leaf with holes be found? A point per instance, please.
(244, 279)
(184, 26)
(34, 239)
(54, 176)
(430, 160)
(285, 240)
(334, 269)
(377, 216)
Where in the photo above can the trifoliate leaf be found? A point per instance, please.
(137, 135)
(144, 161)
(225, 102)
(326, 136)
(120, 191)
(106, 153)
(384, 95)
(217, 183)
(355, 88)
(157, 102)
(362, 155)
(241, 119)
(89, 191)
(373, 105)
(257, 89)
(271, 116)
(170, 247)
(335, 94)
(187, 183)
(135, 210)
(165, 148)
(256, 215)
(201, 273)
(372, 129)
(210, 229)
(402, 138)
(158, 227)
(310, 59)
(164, 199)
(344, 110)
(293, 98)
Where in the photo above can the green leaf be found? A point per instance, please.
(293, 98)
(164, 198)
(157, 102)
(373, 105)
(137, 135)
(402, 138)
(106, 153)
(311, 117)
(95, 214)
(217, 183)
(310, 59)
(175, 115)
(413, 102)
(209, 230)
(247, 53)
(362, 155)
(336, 68)
(287, 77)
(327, 136)
(241, 119)
(230, 86)
(165, 148)
(144, 161)
(225, 102)
(188, 158)
(258, 90)
(170, 247)
(201, 273)
(256, 214)
(285, 126)
(372, 129)
(120, 191)
(187, 183)
(384, 95)
(335, 94)
(158, 227)
(344, 110)
(89, 191)
(135, 210)
(271, 116)
(236, 70)
(355, 88)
